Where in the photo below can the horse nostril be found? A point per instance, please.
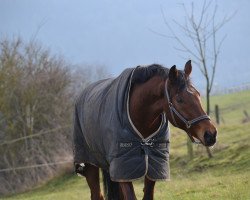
(210, 138)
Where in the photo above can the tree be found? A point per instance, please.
(37, 93)
(202, 34)
(34, 98)
(85, 74)
(202, 45)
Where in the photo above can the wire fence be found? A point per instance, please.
(33, 135)
(35, 165)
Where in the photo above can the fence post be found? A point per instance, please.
(246, 114)
(247, 118)
(217, 114)
(190, 149)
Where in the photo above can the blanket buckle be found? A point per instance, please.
(149, 143)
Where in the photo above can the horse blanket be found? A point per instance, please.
(105, 136)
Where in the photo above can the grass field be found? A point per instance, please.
(225, 176)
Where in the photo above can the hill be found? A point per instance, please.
(225, 176)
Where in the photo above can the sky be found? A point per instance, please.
(120, 34)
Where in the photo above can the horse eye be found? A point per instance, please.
(179, 100)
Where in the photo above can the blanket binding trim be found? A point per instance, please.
(143, 139)
(163, 121)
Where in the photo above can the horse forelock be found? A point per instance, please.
(183, 81)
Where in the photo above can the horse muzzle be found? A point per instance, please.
(210, 138)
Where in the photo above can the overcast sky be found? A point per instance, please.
(117, 33)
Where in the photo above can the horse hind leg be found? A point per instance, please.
(91, 173)
(111, 189)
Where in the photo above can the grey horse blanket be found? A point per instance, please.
(105, 136)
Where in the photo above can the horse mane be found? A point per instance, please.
(143, 73)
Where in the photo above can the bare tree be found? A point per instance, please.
(201, 33)
(85, 74)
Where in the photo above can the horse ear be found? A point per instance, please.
(173, 74)
(188, 68)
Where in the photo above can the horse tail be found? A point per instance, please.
(111, 188)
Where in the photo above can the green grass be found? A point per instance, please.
(225, 176)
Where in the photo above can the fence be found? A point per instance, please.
(238, 88)
(33, 172)
(235, 113)
(29, 137)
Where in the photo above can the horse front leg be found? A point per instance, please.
(127, 190)
(148, 189)
(91, 173)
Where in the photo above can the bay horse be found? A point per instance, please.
(121, 126)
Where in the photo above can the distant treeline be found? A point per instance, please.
(238, 88)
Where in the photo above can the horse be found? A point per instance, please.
(121, 126)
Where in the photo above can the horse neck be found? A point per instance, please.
(147, 104)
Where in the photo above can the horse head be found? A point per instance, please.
(184, 109)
